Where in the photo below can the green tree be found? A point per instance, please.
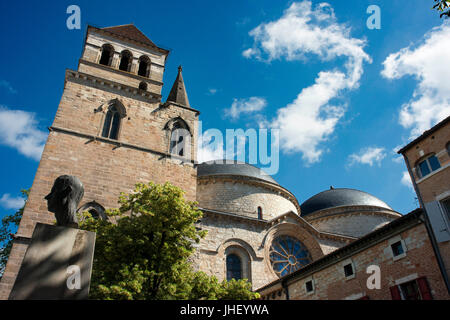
(142, 251)
(8, 225)
(443, 6)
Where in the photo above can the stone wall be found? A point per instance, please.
(250, 237)
(84, 104)
(119, 76)
(242, 198)
(106, 167)
(95, 41)
(355, 224)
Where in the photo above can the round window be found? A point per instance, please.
(287, 255)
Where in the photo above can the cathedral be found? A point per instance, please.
(112, 130)
(258, 230)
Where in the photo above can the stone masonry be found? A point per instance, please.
(106, 166)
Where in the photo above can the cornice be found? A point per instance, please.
(118, 71)
(351, 210)
(168, 103)
(149, 96)
(120, 144)
(270, 224)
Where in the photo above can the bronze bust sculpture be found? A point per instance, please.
(63, 200)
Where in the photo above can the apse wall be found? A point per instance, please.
(351, 221)
(243, 197)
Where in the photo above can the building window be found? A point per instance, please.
(143, 86)
(234, 267)
(410, 290)
(144, 66)
(107, 55)
(425, 167)
(260, 213)
(180, 139)
(417, 289)
(287, 255)
(448, 148)
(446, 206)
(397, 248)
(126, 59)
(348, 270)
(95, 210)
(94, 213)
(112, 123)
(309, 286)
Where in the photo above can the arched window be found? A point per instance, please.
(180, 139)
(234, 267)
(287, 255)
(426, 166)
(94, 213)
(113, 118)
(126, 59)
(144, 66)
(96, 210)
(107, 55)
(260, 213)
(143, 86)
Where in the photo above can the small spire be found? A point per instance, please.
(178, 93)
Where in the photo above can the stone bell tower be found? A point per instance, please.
(111, 130)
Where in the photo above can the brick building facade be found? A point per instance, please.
(400, 250)
(112, 130)
(428, 161)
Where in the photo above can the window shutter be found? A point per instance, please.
(437, 221)
(424, 288)
(395, 293)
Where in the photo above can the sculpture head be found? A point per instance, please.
(64, 198)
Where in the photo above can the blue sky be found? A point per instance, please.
(343, 96)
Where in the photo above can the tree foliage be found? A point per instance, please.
(142, 251)
(443, 6)
(8, 225)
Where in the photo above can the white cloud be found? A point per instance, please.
(250, 52)
(406, 180)
(211, 145)
(395, 156)
(303, 32)
(18, 129)
(370, 156)
(8, 202)
(7, 86)
(212, 91)
(428, 63)
(208, 149)
(246, 105)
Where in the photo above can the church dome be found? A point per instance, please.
(240, 188)
(340, 197)
(232, 168)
